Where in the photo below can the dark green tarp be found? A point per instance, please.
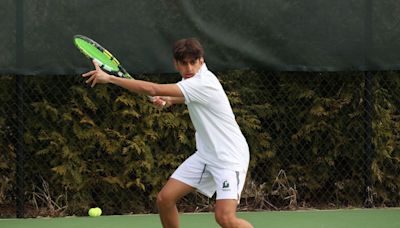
(277, 35)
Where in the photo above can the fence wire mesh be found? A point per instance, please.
(317, 140)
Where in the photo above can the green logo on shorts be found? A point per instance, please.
(225, 184)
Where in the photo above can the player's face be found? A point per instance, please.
(188, 67)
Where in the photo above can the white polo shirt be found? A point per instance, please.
(219, 141)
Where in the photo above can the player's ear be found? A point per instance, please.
(175, 64)
(201, 60)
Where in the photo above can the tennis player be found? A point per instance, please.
(220, 162)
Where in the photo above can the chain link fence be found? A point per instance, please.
(317, 140)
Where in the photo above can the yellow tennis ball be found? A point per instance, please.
(98, 211)
(94, 212)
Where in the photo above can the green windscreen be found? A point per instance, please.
(271, 35)
(91, 51)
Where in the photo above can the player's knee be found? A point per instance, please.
(163, 200)
(225, 220)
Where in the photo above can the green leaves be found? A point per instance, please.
(112, 147)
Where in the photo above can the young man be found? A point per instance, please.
(222, 157)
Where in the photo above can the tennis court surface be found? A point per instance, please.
(354, 218)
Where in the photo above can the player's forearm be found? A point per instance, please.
(147, 88)
(174, 100)
(137, 86)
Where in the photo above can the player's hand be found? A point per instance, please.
(96, 76)
(160, 102)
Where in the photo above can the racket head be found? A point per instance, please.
(94, 51)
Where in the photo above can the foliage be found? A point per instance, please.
(7, 142)
(110, 148)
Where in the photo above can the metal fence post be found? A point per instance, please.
(368, 147)
(20, 149)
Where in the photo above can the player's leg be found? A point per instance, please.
(189, 176)
(229, 185)
(166, 201)
(225, 214)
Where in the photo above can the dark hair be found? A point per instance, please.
(187, 48)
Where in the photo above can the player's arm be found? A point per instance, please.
(174, 100)
(147, 88)
(177, 100)
(137, 86)
(163, 94)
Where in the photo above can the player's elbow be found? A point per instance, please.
(155, 90)
(152, 91)
(148, 89)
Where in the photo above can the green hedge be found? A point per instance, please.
(106, 146)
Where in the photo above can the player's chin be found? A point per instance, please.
(186, 76)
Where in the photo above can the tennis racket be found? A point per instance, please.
(102, 56)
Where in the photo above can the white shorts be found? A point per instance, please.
(209, 179)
